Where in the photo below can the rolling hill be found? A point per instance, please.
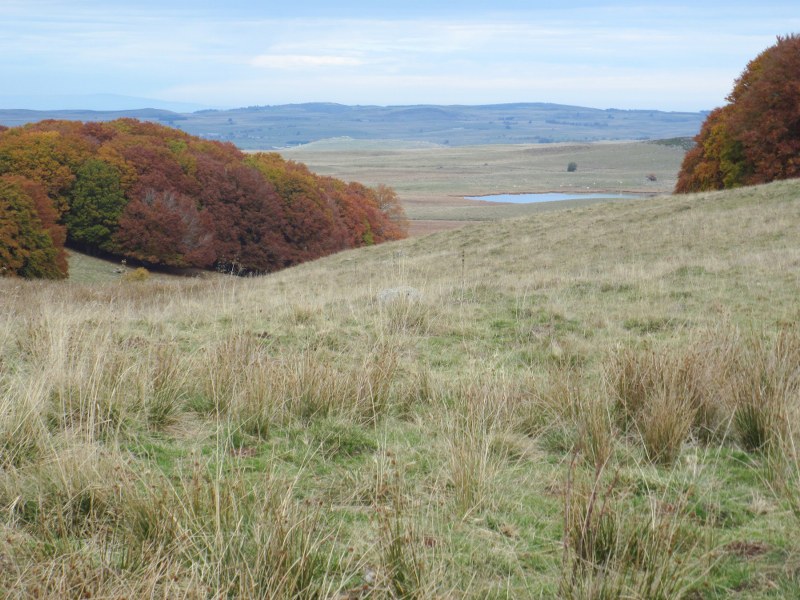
(564, 404)
(270, 127)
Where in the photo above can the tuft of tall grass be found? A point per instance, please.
(783, 471)
(765, 388)
(74, 489)
(550, 406)
(666, 396)
(221, 368)
(665, 424)
(405, 314)
(614, 548)
(595, 432)
(23, 431)
(471, 421)
(237, 538)
(166, 381)
(405, 566)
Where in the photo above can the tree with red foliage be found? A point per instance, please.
(755, 138)
(159, 195)
(166, 228)
(312, 227)
(31, 242)
(389, 205)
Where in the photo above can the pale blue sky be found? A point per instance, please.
(648, 55)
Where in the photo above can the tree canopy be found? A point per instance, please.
(755, 138)
(160, 196)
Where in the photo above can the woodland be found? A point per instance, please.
(164, 198)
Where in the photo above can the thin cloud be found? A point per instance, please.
(303, 61)
(624, 54)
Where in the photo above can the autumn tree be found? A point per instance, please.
(27, 228)
(48, 153)
(389, 205)
(312, 225)
(166, 228)
(755, 138)
(161, 196)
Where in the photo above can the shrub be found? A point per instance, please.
(572, 167)
(139, 274)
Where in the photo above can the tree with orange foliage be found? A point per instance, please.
(161, 196)
(389, 205)
(755, 138)
(31, 242)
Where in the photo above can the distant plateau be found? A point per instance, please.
(292, 125)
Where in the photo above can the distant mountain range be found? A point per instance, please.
(276, 127)
(98, 102)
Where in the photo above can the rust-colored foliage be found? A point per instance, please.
(31, 242)
(161, 196)
(755, 138)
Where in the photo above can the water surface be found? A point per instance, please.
(549, 197)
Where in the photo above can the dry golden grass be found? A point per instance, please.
(595, 401)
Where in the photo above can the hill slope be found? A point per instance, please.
(430, 415)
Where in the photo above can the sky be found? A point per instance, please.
(190, 54)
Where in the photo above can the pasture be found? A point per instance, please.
(599, 401)
(432, 181)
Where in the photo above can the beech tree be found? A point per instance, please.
(755, 138)
(166, 228)
(159, 195)
(27, 228)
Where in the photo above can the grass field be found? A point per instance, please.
(595, 402)
(432, 182)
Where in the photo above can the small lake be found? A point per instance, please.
(549, 197)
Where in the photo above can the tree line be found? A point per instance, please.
(162, 197)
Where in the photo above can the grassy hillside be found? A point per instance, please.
(593, 402)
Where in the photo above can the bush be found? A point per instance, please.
(140, 274)
(572, 167)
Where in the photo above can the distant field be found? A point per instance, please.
(432, 182)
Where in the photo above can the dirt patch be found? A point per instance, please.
(747, 549)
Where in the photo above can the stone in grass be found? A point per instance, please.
(407, 293)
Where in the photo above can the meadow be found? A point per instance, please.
(431, 181)
(593, 402)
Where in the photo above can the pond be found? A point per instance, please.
(550, 197)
